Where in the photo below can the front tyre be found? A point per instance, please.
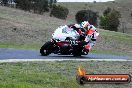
(46, 49)
(76, 53)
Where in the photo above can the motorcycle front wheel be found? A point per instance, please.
(76, 52)
(46, 49)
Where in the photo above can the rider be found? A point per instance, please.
(82, 30)
(92, 36)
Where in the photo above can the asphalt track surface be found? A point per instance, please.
(7, 54)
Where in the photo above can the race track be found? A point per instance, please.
(7, 54)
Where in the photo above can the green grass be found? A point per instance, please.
(38, 75)
(119, 39)
(21, 46)
(57, 74)
(116, 35)
(110, 53)
(114, 43)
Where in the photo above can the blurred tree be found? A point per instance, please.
(41, 6)
(38, 6)
(55, 1)
(5, 2)
(87, 15)
(23, 4)
(107, 11)
(51, 3)
(59, 11)
(110, 20)
(94, 1)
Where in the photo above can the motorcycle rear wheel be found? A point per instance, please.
(46, 49)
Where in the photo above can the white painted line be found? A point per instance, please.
(25, 60)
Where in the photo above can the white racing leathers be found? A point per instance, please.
(63, 32)
(91, 37)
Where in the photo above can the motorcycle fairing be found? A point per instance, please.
(63, 32)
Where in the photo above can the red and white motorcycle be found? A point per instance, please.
(66, 42)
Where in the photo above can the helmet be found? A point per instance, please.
(84, 24)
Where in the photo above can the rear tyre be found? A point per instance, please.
(47, 48)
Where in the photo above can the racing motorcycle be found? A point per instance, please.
(62, 44)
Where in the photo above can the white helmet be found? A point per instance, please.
(84, 24)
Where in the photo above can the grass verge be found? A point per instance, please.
(110, 53)
(21, 46)
(58, 74)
